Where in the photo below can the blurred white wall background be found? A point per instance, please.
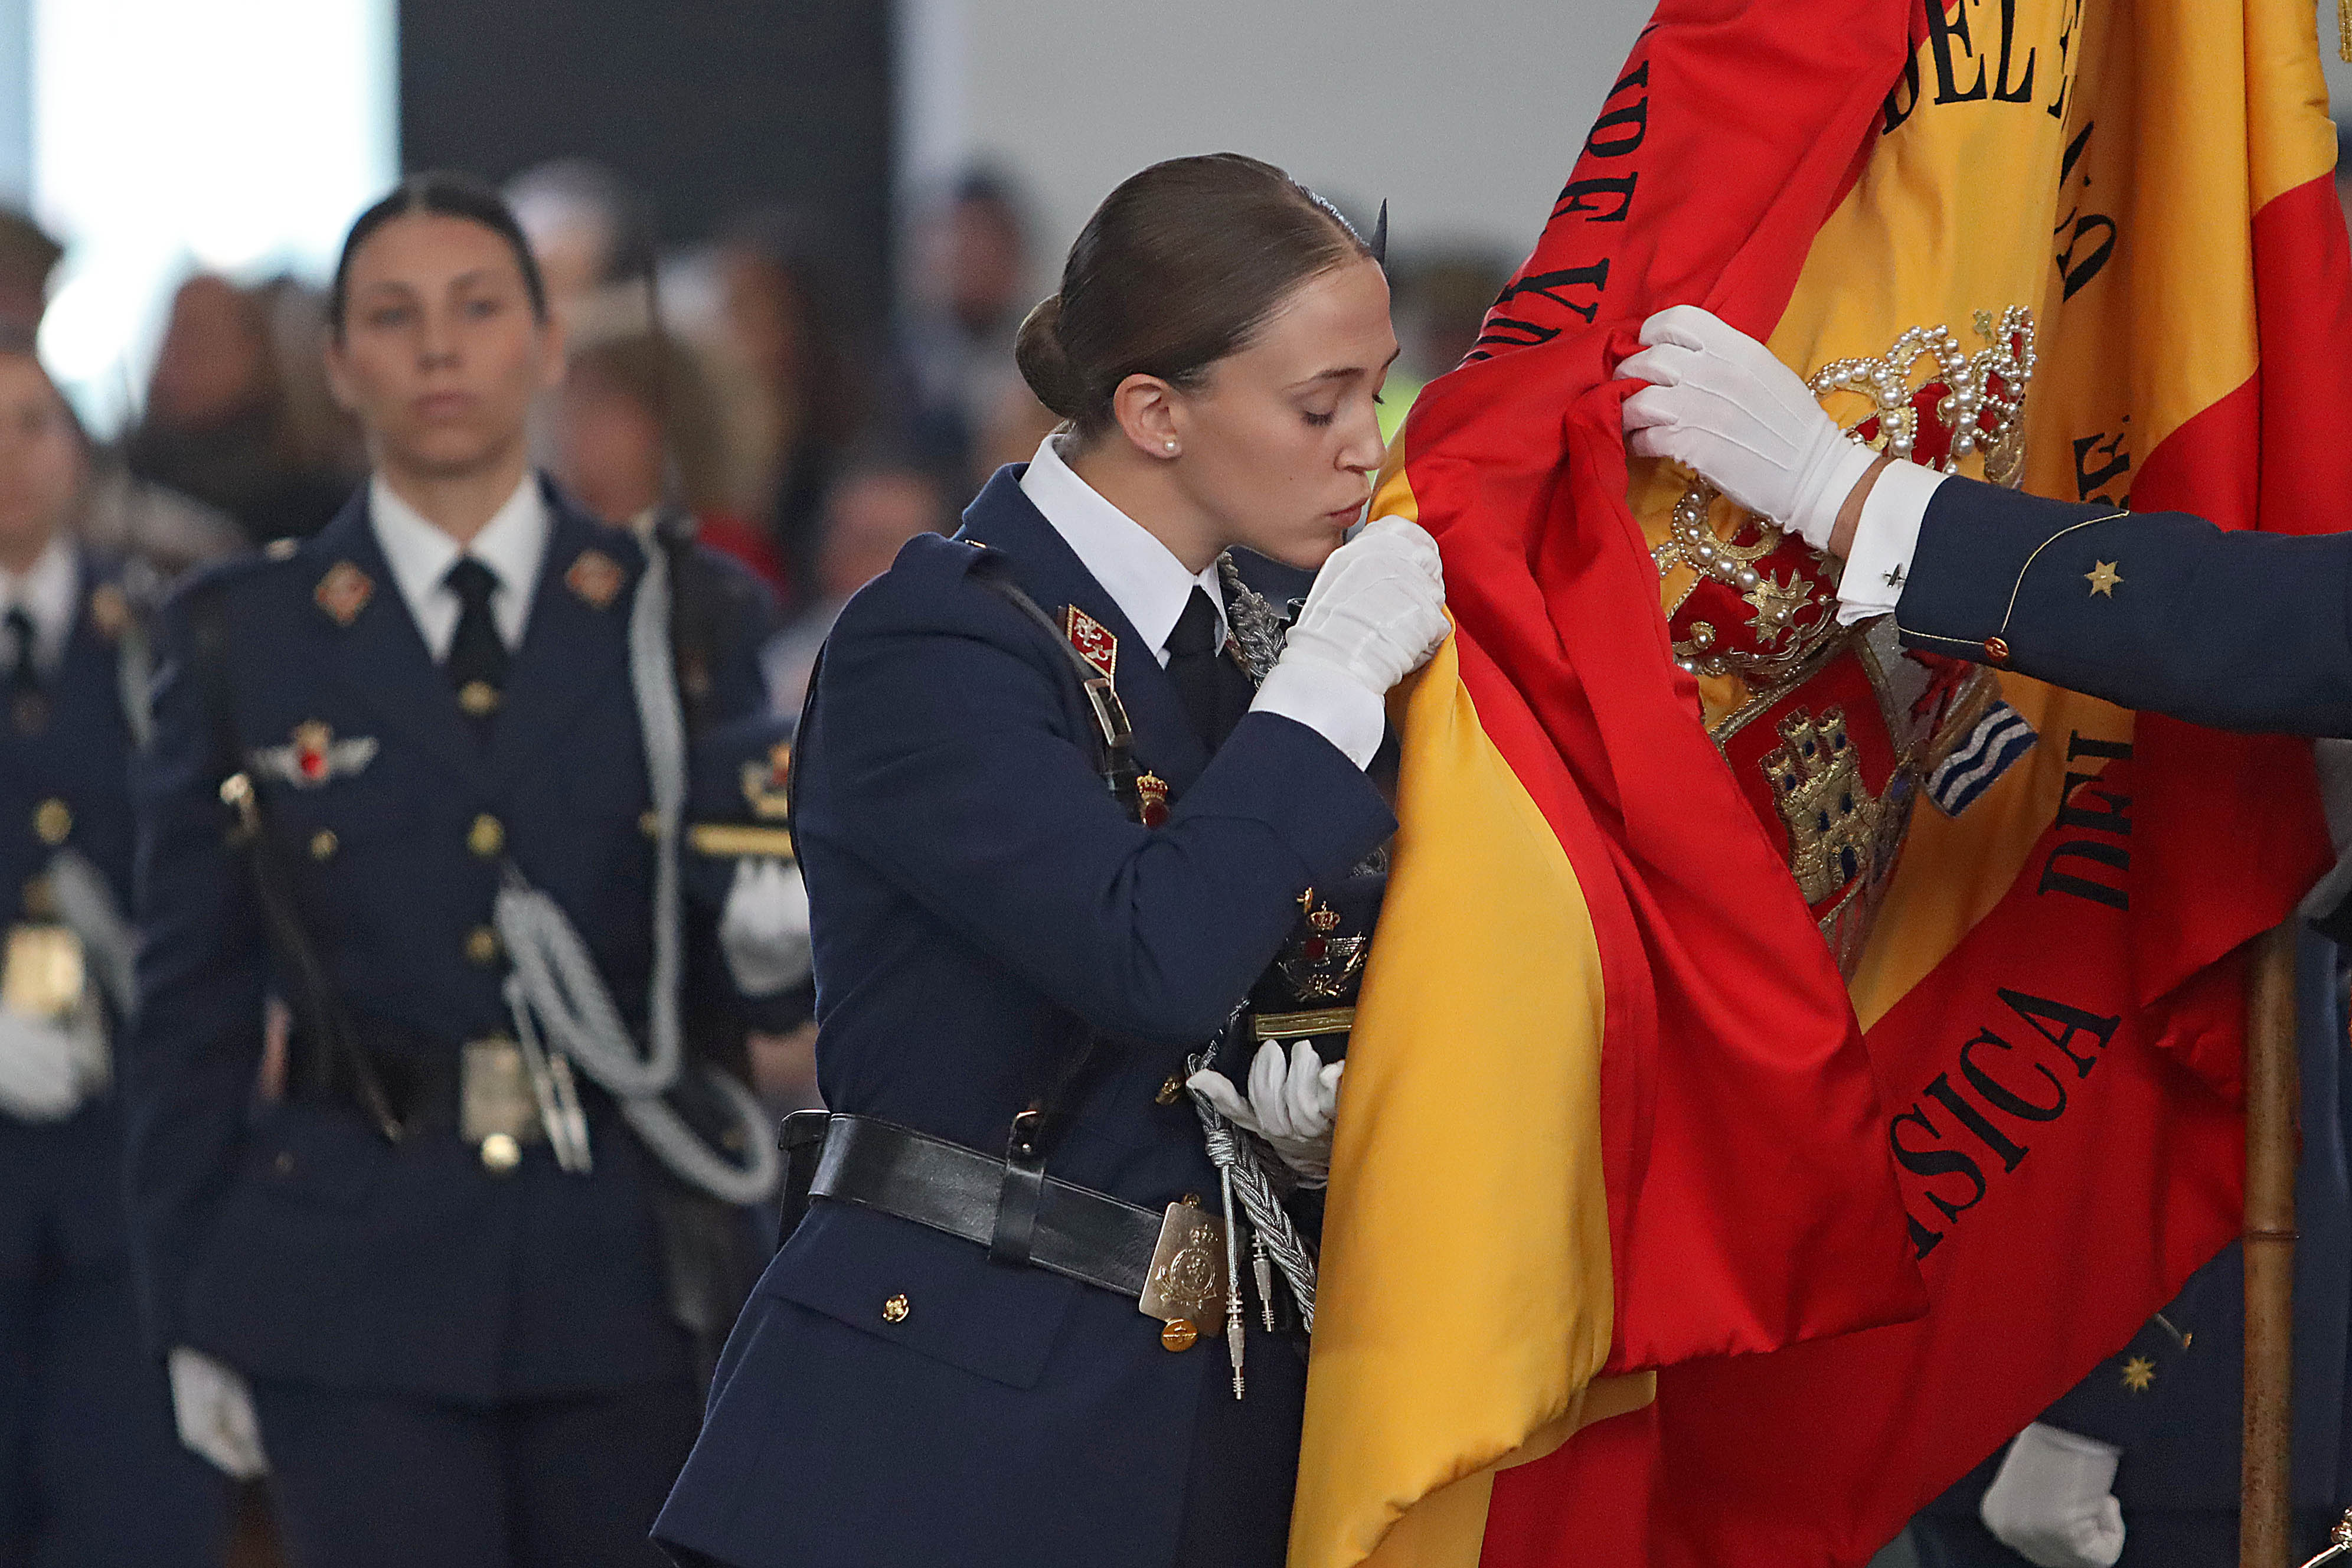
(238, 136)
(1464, 114)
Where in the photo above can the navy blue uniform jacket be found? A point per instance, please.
(2233, 630)
(978, 901)
(289, 1239)
(60, 1184)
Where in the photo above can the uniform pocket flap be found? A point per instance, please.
(938, 1295)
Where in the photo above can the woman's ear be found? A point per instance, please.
(1144, 406)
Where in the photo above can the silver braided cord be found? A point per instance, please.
(1235, 1156)
(556, 981)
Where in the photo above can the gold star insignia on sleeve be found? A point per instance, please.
(2139, 1374)
(2103, 578)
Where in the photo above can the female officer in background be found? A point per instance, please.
(1018, 967)
(91, 1469)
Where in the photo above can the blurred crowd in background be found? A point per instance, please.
(719, 378)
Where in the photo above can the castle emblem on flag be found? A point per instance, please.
(313, 756)
(1092, 639)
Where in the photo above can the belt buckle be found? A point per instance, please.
(1187, 1280)
(497, 1111)
(46, 971)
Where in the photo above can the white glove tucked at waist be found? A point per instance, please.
(1376, 614)
(2051, 1503)
(42, 1075)
(1720, 403)
(765, 931)
(1292, 1105)
(214, 1408)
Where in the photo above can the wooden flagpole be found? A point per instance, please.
(2270, 1079)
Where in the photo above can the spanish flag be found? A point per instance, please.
(1739, 972)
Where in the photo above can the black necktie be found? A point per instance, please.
(1214, 691)
(25, 704)
(478, 658)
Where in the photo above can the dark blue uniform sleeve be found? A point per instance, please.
(942, 754)
(190, 1059)
(2162, 611)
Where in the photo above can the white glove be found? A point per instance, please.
(1291, 1105)
(2051, 1504)
(215, 1411)
(1377, 610)
(41, 1070)
(1720, 405)
(765, 931)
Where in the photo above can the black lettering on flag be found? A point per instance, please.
(2053, 880)
(1619, 130)
(2010, 1153)
(2113, 816)
(1572, 198)
(1899, 108)
(2041, 1013)
(1942, 33)
(2067, 28)
(2097, 460)
(1999, 1095)
(1507, 333)
(2002, 92)
(2079, 745)
(2086, 241)
(1935, 1162)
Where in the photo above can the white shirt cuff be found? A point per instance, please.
(1883, 540)
(1328, 701)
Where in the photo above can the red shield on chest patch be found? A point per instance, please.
(1092, 639)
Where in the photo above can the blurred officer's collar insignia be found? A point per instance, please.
(344, 592)
(595, 577)
(109, 611)
(1092, 639)
(313, 756)
(766, 785)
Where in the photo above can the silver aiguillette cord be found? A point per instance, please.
(1233, 1279)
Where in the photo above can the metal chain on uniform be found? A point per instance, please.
(555, 980)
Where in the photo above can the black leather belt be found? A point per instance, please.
(1086, 1235)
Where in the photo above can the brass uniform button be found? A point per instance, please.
(1997, 649)
(479, 698)
(650, 823)
(482, 946)
(1180, 1335)
(323, 843)
(284, 1163)
(500, 1153)
(895, 1310)
(487, 837)
(1171, 1091)
(52, 821)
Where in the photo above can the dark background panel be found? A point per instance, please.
(708, 106)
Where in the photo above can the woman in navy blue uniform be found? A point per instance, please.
(1077, 813)
(90, 1468)
(436, 1256)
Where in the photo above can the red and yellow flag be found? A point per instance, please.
(1613, 1123)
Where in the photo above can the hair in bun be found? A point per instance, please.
(1046, 364)
(1180, 266)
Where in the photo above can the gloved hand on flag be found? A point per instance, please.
(1292, 1104)
(1720, 405)
(1377, 610)
(2051, 1504)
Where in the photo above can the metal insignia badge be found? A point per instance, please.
(45, 971)
(344, 592)
(313, 756)
(1151, 794)
(596, 577)
(1092, 639)
(766, 785)
(1187, 1282)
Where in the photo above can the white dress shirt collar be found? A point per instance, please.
(512, 544)
(1142, 576)
(48, 593)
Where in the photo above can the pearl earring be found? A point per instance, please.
(1169, 444)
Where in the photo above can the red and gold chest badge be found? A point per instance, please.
(312, 755)
(1152, 796)
(344, 592)
(1092, 639)
(596, 577)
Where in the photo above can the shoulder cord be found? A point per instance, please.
(555, 980)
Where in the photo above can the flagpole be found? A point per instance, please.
(2270, 1236)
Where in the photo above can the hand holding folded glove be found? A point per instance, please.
(42, 1075)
